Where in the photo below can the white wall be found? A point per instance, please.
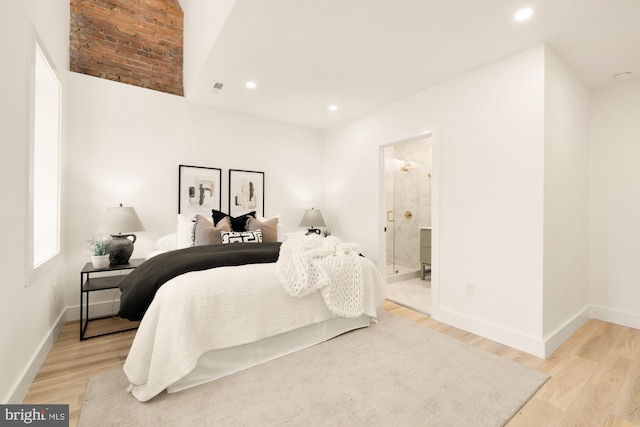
(29, 314)
(125, 144)
(565, 202)
(488, 192)
(614, 203)
(203, 21)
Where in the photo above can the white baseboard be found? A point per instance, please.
(96, 309)
(519, 341)
(21, 388)
(562, 333)
(498, 333)
(539, 348)
(619, 317)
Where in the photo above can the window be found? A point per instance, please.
(45, 162)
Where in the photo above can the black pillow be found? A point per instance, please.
(238, 223)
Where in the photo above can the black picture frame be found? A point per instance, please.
(199, 190)
(246, 192)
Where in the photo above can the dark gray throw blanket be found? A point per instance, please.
(140, 286)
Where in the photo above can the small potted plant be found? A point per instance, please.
(99, 249)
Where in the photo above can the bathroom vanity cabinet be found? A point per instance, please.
(425, 251)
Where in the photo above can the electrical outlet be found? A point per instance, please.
(469, 289)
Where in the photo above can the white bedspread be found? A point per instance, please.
(220, 308)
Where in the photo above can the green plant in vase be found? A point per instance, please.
(98, 246)
(99, 250)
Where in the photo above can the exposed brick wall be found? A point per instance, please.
(138, 42)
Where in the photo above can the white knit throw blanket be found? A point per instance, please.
(314, 263)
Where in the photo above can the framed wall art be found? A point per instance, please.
(199, 190)
(246, 192)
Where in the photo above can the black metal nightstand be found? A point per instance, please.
(89, 284)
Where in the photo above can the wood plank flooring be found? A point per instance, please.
(595, 375)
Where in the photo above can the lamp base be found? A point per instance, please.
(121, 248)
(313, 231)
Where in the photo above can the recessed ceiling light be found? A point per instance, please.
(622, 76)
(333, 107)
(523, 15)
(250, 85)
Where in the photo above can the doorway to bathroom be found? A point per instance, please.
(407, 169)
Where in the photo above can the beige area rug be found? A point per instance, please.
(394, 373)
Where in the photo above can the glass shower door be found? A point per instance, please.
(408, 187)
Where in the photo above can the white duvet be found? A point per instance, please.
(221, 308)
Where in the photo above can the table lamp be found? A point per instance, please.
(120, 222)
(312, 218)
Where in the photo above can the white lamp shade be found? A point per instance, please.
(120, 220)
(312, 218)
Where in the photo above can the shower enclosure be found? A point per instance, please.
(408, 202)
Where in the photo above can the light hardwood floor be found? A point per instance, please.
(595, 375)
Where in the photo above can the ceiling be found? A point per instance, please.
(360, 55)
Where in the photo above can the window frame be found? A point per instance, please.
(35, 271)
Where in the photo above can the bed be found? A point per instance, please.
(204, 324)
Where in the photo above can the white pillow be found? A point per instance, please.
(281, 234)
(154, 253)
(167, 242)
(185, 227)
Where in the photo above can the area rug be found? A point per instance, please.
(395, 372)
